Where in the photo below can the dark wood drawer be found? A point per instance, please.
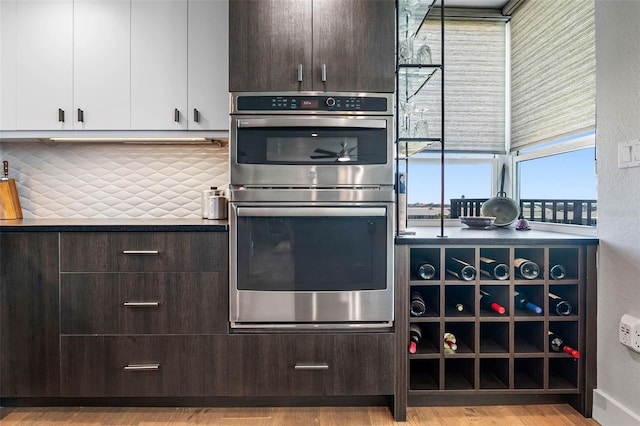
(311, 364)
(144, 303)
(114, 366)
(143, 251)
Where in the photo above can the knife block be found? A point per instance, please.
(9, 200)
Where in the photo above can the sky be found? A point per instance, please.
(566, 176)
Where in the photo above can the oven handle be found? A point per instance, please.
(367, 123)
(311, 211)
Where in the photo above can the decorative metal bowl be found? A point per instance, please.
(477, 221)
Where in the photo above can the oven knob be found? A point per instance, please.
(330, 102)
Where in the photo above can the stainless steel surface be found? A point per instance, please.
(313, 194)
(307, 309)
(346, 326)
(304, 121)
(502, 208)
(311, 367)
(218, 207)
(141, 252)
(388, 96)
(142, 367)
(310, 211)
(141, 304)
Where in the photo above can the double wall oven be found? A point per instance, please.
(311, 210)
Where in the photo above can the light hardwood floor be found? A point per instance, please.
(512, 415)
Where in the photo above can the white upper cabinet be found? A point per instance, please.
(101, 64)
(44, 65)
(208, 46)
(159, 65)
(114, 65)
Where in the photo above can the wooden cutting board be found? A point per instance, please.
(9, 200)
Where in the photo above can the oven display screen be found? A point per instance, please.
(309, 104)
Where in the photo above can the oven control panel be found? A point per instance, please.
(312, 103)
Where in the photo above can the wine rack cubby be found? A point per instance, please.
(500, 352)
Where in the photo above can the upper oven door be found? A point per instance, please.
(311, 150)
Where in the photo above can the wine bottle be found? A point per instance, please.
(415, 335)
(458, 307)
(450, 342)
(526, 268)
(487, 302)
(522, 302)
(418, 307)
(559, 305)
(424, 270)
(557, 272)
(461, 269)
(557, 344)
(493, 269)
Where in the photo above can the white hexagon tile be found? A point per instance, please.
(89, 180)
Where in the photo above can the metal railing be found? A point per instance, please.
(575, 212)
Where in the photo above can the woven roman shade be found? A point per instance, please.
(552, 70)
(475, 64)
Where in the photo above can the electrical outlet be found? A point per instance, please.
(629, 332)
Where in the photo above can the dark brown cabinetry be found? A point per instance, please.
(143, 314)
(311, 364)
(501, 354)
(319, 45)
(29, 325)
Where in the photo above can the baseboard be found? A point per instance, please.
(609, 412)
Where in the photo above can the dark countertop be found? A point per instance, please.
(490, 236)
(113, 225)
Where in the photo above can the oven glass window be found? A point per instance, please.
(311, 253)
(306, 145)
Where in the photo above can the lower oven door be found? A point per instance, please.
(311, 266)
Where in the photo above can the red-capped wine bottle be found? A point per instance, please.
(418, 307)
(557, 272)
(415, 335)
(556, 343)
(450, 342)
(423, 269)
(526, 268)
(522, 302)
(488, 302)
(559, 305)
(494, 269)
(461, 269)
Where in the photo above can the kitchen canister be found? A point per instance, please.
(214, 204)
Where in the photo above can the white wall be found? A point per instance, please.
(96, 180)
(617, 399)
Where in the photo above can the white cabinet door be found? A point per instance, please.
(159, 64)
(101, 64)
(8, 65)
(208, 65)
(44, 64)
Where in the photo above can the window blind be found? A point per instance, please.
(552, 70)
(474, 83)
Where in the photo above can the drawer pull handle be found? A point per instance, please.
(142, 367)
(141, 304)
(141, 252)
(311, 367)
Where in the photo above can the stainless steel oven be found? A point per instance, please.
(311, 211)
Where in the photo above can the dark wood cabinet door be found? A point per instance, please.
(127, 366)
(29, 325)
(144, 251)
(355, 41)
(268, 41)
(144, 303)
(311, 364)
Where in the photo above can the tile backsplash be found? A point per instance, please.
(116, 180)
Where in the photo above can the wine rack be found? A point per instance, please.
(506, 353)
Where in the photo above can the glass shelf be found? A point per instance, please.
(413, 77)
(412, 146)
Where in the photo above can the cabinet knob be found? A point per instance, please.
(176, 115)
(324, 73)
(60, 115)
(142, 367)
(299, 73)
(80, 115)
(196, 115)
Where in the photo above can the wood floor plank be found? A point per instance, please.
(512, 415)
